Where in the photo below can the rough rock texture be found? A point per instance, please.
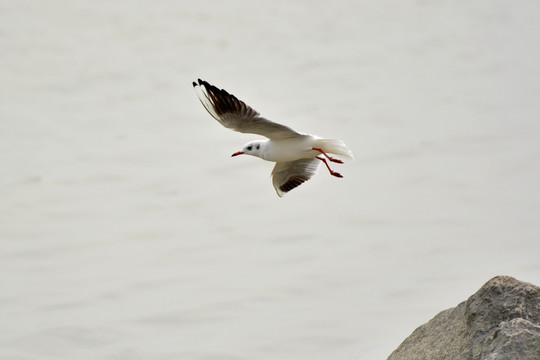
(500, 322)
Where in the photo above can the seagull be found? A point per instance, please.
(297, 155)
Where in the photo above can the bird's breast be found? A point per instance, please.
(289, 150)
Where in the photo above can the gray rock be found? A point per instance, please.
(500, 322)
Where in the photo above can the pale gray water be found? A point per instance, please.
(127, 231)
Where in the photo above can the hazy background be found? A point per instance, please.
(128, 232)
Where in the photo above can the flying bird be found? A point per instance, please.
(297, 155)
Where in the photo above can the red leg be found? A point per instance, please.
(334, 173)
(329, 157)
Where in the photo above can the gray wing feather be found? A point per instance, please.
(290, 174)
(236, 115)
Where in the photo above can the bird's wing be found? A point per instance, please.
(236, 115)
(290, 174)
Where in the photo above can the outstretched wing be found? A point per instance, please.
(236, 115)
(290, 174)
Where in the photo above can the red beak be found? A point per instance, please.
(237, 153)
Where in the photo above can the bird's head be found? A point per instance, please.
(253, 148)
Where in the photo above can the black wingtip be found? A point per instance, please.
(194, 84)
(292, 183)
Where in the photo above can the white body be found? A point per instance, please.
(295, 148)
(288, 149)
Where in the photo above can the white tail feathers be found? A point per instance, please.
(336, 147)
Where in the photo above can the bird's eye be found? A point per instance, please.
(249, 147)
(258, 146)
